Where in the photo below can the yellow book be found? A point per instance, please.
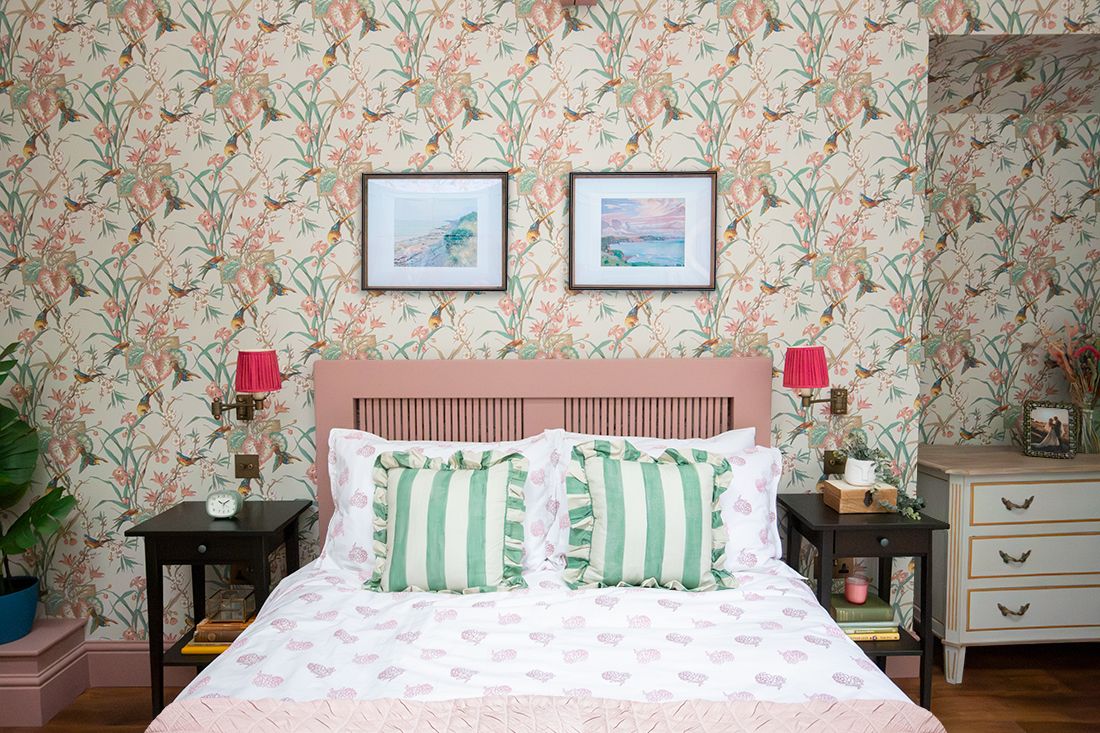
(884, 636)
(193, 648)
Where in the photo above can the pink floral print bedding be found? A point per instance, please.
(321, 637)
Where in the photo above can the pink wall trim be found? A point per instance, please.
(126, 664)
(43, 672)
(543, 385)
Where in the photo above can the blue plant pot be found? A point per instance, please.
(17, 609)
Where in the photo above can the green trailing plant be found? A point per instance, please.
(856, 447)
(18, 458)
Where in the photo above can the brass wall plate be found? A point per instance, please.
(834, 462)
(246, 465)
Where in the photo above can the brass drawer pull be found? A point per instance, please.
(1009, 612)
(1009, 559)
(1010, 505)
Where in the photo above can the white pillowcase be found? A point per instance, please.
(749, 509)
(725, 444)
(349, 540)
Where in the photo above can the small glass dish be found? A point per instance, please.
(235, 603)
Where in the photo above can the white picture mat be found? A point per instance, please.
(382, 196)
(588, 195)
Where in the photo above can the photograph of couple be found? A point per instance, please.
(1051, 431)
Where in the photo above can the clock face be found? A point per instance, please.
(222, 504)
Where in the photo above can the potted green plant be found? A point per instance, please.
(879, 467)
(862, 461)
(18, 457)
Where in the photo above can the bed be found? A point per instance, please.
(325, 654)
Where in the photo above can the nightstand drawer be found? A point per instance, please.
(873, 543)
(186, 551)
(1069, 553)
(1034, 502)
(999, 609)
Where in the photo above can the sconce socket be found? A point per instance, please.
(246, 465)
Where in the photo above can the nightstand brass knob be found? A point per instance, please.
(202, 549)
(884, 541)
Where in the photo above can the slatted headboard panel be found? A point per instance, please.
(660, 417)
(484, 419)
(507, 400)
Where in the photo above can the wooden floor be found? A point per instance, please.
(1023, 689)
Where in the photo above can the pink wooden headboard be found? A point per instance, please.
(508, 400)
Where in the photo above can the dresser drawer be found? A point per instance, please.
(1034, 502)
(869, 543)
(208, 550)
(999, 609)
(1029, 555)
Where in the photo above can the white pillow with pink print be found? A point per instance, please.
(349, 543)
(749, 508)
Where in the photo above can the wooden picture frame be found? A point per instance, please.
(434, 231)
(664, 223)
(1050, 429)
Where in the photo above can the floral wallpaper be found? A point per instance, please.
(1013, 240)
(180, 179)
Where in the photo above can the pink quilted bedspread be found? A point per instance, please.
(541, 714)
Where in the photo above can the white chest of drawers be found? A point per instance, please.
(1021, 562)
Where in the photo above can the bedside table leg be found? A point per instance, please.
(198, 592)
(825, 572)
(261, 575)
(154, 592)
(290, 544)
(794, 542)
(885, 571)
(926, 631)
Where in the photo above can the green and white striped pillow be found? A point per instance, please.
(448, 524)
(640, 520)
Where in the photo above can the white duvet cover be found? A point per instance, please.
(321, 636)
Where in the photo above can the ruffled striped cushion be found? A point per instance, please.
(452, 525)
(640, 520)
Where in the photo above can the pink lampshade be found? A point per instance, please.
(805, 367)
(258, 371)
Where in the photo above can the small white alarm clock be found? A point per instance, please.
(224, 504)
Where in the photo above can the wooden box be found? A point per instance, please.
(844, 498)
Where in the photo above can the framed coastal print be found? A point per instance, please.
(642, 231)
(1050, 429)
(435, 231)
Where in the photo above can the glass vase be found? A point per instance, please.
(1090, 431)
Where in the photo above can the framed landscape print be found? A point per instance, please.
(1050, 429)
(642, 231)
(435, 231)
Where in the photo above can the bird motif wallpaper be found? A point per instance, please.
(1013, 239)
(180, 179)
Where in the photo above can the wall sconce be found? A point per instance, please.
(257, 376)
(805, 369)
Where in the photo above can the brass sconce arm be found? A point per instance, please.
(245, 405)
(837, 399)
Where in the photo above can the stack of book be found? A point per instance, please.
(214, 637)
(869, 621)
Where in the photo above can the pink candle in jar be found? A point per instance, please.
(855, 589)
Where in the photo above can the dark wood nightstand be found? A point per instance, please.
(186, 535)
(880, 535)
